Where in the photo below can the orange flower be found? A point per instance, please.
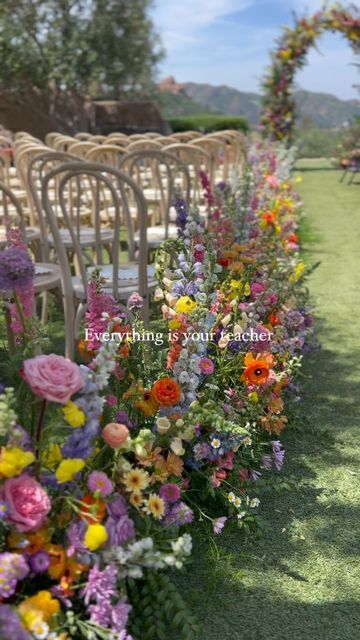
(84, 350)
(172, 466)
(257, 370)
(57, 555)
(92, 510)
(148, 404)
(166, 391)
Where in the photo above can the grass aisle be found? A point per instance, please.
(302, 580)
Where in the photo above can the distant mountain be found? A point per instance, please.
(322, 109)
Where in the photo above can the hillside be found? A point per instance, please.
(324, 110)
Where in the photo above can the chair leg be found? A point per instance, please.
(69, 316)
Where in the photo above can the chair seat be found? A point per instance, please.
(47, 276)
(86, 239)
(127, 282)
(156, 234)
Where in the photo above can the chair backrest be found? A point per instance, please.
(158, 174)
(11, 215)
(196, 159)
(38, 167)
(79, 148)
(106, 154)
(106, 182)
(62, 143)
(144, 143)
(98, 139)
(83, 135)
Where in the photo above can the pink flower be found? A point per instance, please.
(98, 481)
(219, 524)
(206, 366)
(53, 377)
(28, 503)
(244, 474)
(227, 461)
(115, 434)
(111, 401)
(170, 492)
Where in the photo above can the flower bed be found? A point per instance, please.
(118, 457)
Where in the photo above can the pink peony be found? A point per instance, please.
(28, 503)
(53, 377)
(115, 434)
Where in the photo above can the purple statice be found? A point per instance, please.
(219, 524)
(16, 269)
(39, 562)
(75, 535)
(101, 585)
(123, 418)
(181, 212)
(179, 515)
(119, 526)
(135, 302)
(278, 453)
(13, 567)
(10, 625)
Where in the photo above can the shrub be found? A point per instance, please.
(208, 123)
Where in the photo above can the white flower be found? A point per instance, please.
(223, 342)
(237, 502)
(241, 515)
(177, 447)
(226, 319)
(163, 425)
(231, 497)
(159, 294)
(254, 503)
(215, 443)
(184, 377)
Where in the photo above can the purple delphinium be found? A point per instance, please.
(10, 625)
(16, 269)
(119, 526)
(75, 535)
(181, 212)
(279, 454)
(179, 514)
(219, 524)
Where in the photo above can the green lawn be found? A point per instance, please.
(301, 581)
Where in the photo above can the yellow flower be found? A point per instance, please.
(298, 272)
(247, 289)
(136, 499)
(51, 456)
(74, 416)
(95, 536)
(174, 324)
(14, 460)
(68, 469)
(253, 397)
(155, 506)
(185, 305)
(136, 480)
(42, 604)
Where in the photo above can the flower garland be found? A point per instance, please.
(279, 109)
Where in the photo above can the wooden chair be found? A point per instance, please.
(83, 136)
(106, 154)
(144, 143)
(81, 148)
(158, 174)
(196, 159)
(122, 279)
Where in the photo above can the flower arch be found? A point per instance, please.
(279, 109)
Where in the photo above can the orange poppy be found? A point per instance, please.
(257, 370)
(148, 404)
(92, 510)
(166, 391)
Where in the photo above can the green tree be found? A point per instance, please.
(68, 48)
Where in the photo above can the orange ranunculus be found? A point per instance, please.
(166, 391)
(257, 370)
(92, 509)
(57, 555)
(147, 404)
(29, 542)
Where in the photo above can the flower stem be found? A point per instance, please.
(40, 424)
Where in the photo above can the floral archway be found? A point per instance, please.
(279, 109)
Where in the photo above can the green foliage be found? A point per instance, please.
(208, 123)
(159, 612)
(313, 142)
(175, 106)
(84, 46)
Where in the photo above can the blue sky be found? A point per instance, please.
(228, 42)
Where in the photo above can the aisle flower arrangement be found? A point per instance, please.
(106, 465)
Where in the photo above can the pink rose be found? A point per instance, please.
(53, 377)
(28, 503)
(115, 434)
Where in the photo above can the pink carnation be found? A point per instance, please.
(53, 377)
(28, 503)
(206, 366)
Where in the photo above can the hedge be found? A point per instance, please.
(209, 123)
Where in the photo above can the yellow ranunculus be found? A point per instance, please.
(174, 324)
(185, 305)
(41, 603)
(68, 469)
(95, 536)
(51, 456)
(74, 416)
(14, 460)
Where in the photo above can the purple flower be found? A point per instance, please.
(135, 302)
(119, 615)
(170, 492)
(201, 450)
(117, 507)
(179, 515)
(75, 535)
(16, 269)
(254, 475)
(119, 530)
(39, 562)
(123, 418)
(181, 212)
(219, 524)
(266, 461)
(101, 585)
(279, 454)
(13, 567)
(206, 366)
(10, 625)
(98, 481)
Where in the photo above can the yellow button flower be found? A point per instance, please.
(74, 416)
(95, 536)
(14, 460)
(185, 305)
(68, 469)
